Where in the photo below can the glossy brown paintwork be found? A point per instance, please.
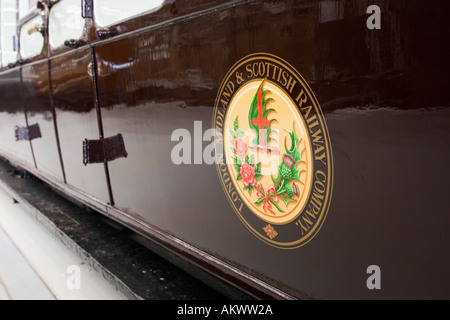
(174, 83)
(36, 98)
(76, 116)
(385, 99)
(12, 114)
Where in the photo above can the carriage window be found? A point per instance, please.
(8, 30)
(109, 12)
(65, 22)
(31, 38)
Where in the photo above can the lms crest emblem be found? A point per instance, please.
(273, 151)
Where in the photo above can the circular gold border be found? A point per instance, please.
(327, 199)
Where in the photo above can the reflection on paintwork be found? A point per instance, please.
(73, 98)
(12, 114)
(77, 127)
(36, 101)
(27, 133)
(108, 12)
(71, 83)
(105, 68)
(11, 148)
(331, 11)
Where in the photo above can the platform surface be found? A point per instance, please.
(53, 248)
(35, 265)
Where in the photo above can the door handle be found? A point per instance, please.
(104, 150)
(27, 133)
(107, 33)
(36, 28)
(72, 43)
(18, 63)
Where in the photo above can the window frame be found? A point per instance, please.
(24, 23)
(126, 18)
(61, 44)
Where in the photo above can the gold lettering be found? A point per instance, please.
(219, 119)
(307, 111)
(318, 144)
(312, 125)
(240, 207)
(218, 138)
(302, 227)
(267, 69)
(322, 174)
(279, 74)
(321, 158)
(261, 69)
(313, 210)
(314, 117)
(317, 138)
(306, 220)
(284, 76)
(255, 65)
(318, 148)
(248, 68)
(228, 91)
(291, 84)
(275, 68)
(227, 179)
(219, 157)
(229, 185)
(224, 103)
(301, 100)
(317, 198)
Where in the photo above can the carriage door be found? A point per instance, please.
(151, 83)
(134, 75)
(12, 114)
(11, 107)
(40, 129)
(73, 99)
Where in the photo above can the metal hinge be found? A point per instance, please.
(86, 8)
(104, 150)
(27, 133)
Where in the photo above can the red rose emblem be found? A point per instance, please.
(240, 147)
(248, 174)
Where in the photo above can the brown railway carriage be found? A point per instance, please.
(111, 103)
